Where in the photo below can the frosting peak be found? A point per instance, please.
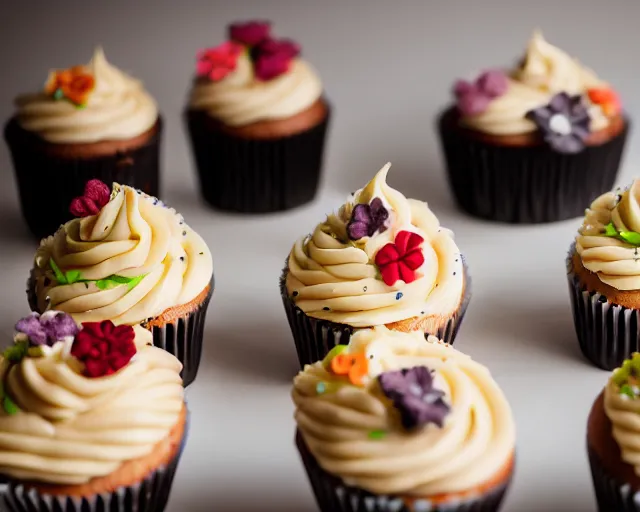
(129, 262)
(115, 107)
(371, 433)
(381, 258)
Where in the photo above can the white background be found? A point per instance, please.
(387, 68)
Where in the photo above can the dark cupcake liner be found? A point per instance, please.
(314, 338)
(333, 495)
(47, 183)
(183, 337)
(531, 184)
(149, 495)
(607, 333)
(611, 495)
(256, 175)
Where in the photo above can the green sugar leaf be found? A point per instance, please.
(72, 276)
(626, 390)
(338, 349)
(135, 281)
(9, 406)
(60, 277)
(377, 434)
(105, 284)
(631, 237)
(16, 352)
(120, 279)
(35, 351)
(610, 230)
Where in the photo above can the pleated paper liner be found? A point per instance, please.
(149, 495)
(48, 183)
(611, 495)
(182, 337)
(256, 176)
(607, 333)
(333, 495)
(315, 338)
(526, 184)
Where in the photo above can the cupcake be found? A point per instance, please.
(393, 423)
(130, 259)
(535, 143)
(257, 120)
(89, 122)
(382, 259)
(603, 269)
(92, 418)
(613, 440)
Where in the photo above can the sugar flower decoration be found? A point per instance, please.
(48, 328)
(412, 393)
(96, 196)
(401, 259)
(354, 366)
(607, 99)
(367, 219)
(104, 348)
(73, 84)
(564, 123)
(216, 63)
(250, 33)
(474, 97)
(273, 58)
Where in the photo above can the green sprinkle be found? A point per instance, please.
(320, 388)
(626, 390)
(377, 434)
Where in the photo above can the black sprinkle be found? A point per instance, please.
(456, 260)
(454, 273)
(602, 299)
(353, 193)
(398, 295)
(364, 289)
(47, 281)
(295, 294)
(201, 253)
(436, 285)
(106, 227)
(326, 308)
(422, 312)
(371, 356)
(86, 285)
(181, 258)
(184, 233)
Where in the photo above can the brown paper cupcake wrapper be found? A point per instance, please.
(607, 333)
(530, 184)
(333, 495)
(150, 495)
(315, 338)
(256, 176)
(47, 184)
(611, 495)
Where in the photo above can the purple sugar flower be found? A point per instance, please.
(564, 123)
(413, 394)
(366, 219)
(48, 328)
(474, 97)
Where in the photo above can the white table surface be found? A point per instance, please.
(387, 67)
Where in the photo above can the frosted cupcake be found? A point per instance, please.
(534, 143)
(603, 269)
(392, 423)
(89, 122)
(257, 121)
(130, 259)
(613, 438)
(382, 259)
(92, 418)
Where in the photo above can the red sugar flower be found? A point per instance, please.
(273, 57)
(216, 63)
(401, 259)
(250, 33)
(104, 348)
(96, 196)
(608, 100)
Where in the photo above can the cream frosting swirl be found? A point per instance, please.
(240, 98)
(334, 278)
(117, 109)
(615, 261)
(133, 236)
(476, 441)
(71, 428)
(545, 71)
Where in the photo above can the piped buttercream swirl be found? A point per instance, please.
(334, 278)
(475, 443)
(118, 108)
(71, 428)
(161, 262)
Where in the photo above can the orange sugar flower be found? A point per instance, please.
(606, 98)
(354, 366)
(73, 84)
